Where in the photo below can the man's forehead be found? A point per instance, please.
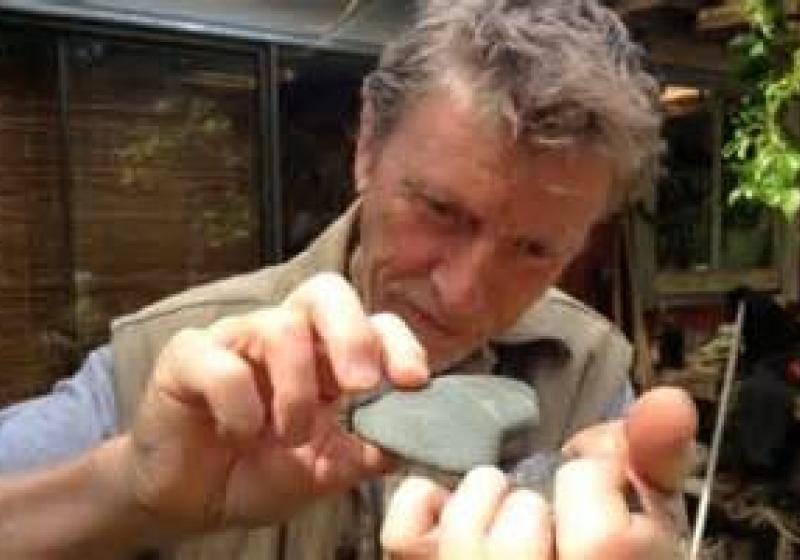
(441, 141)
(457, 109)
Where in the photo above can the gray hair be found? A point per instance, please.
(559, 72)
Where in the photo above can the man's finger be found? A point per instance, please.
(591, 515)
(342, 459)
(650, 539)
(279, 344)
(409, 528)
(403, 356)
(522, 529)
(288, 354)
(605, 441)
(339, 321)
(469, 514)
(660, 428)
(194, 368)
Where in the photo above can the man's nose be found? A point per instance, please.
(463, 278)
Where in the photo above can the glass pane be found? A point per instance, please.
(162, 145)
(319, 105)
(35, 344)
(685, 192)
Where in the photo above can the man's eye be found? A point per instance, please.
(440, 209)
(535, 249)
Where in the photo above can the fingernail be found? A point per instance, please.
(418, 375)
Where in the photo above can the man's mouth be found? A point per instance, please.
(416, 314)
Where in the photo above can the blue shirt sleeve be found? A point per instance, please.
(619, 403)
(78, 414)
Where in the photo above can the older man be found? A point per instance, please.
(493, 134)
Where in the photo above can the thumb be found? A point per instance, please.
(660, 428)
(340, 459)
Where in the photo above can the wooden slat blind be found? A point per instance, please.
(155, 191)
(34, 310)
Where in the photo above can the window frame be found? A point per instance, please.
(267, 183)
(665, 287)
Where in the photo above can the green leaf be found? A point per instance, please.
(791, 203)
(757, 49)
(766, 166)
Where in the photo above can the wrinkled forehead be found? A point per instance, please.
(443, 142)
(496, 111)
(460, 119)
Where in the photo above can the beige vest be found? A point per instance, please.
(572, 395)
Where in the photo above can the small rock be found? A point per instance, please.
(537, 472)
(453, 424)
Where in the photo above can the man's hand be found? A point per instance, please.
(484, 519)
(647, 453)
(239, 424)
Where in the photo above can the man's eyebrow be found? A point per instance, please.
(417, 186)
(431, 192)
(410, 184)
(440, 196)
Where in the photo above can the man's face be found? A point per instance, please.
(463, 228)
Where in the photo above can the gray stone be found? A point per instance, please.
(453, 424)
(537, 471)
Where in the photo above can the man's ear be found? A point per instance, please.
(365, 145)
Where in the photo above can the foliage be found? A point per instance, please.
(764, 160)
(191, 127)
